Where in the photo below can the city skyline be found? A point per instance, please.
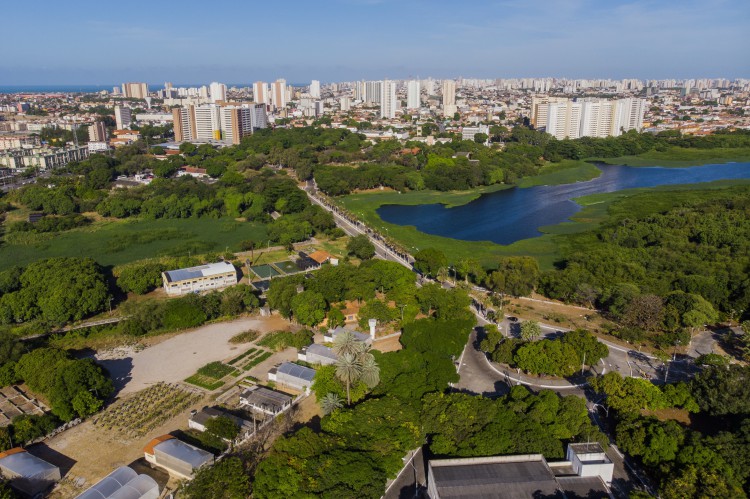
(344, 40)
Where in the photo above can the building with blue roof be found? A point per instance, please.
(198, 279)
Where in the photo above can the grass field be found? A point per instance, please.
(678, 157)
(564, 172)
(114, 242)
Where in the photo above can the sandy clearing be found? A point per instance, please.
(180, 356)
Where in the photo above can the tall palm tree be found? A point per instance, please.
(345, 343)
(348, 370)
(330, 403)
(370, 371)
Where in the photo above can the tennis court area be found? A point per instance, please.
(265, 271)
(287, 267)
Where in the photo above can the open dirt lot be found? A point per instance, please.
(179, 356)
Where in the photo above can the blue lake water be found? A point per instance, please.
(505, 217)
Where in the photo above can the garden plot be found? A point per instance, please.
(250, 359)
(211, 375)
(148, 409)
(15, 402)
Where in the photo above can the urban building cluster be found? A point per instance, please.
(428, 110)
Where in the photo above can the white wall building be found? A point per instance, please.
(449, 97)
(412, 95)
(260, 92)
(315, 89)
(218, 91)
(389, 103)
(122, 117)
(201, 278)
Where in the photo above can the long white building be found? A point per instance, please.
(201, 278)
(389, 103)
(565, 118)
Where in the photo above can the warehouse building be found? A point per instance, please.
(123, 483)
(178, 458)
(201, 278)
(27, 473)
(292, 376)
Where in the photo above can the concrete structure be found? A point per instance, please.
(589, 459)
(260, 92)
(511, 477)
(373, 92)
(218, 91)
(264, 400)
(412, 95)
(201, 278)
(388, 103)
(123, 483)
(468, 132)
(279, 93)
(330, 335)
(564, 118)
(27, 473)
(449, 98)
(96, 147)
(122, 117)
(292, 376)
(16, 141)
(315, 89)
(317, 354)
(135, 90)
(43, 158)
(345, 103)
(97, 132)
(177, 457)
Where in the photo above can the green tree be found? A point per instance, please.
(530, 330)
(226, 479)
(361, 247)
(309, 307)
(428, 261)
(223, 427)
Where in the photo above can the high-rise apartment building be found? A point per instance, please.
(412, 95)
(315, 89)
(449, 97)
(373, 92)
(218, 91)
(122, 117)
(591, 117)
(260, 92)
(135, 90)
(279, 93)
(228, 123)
(345, 103)
(359, 91)
(97, 132)
(388, 103)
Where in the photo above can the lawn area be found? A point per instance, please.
(564, 172)
(679, 157)
(115, 242)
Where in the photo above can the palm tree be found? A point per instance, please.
(348, 370)
(345, 343)
(370, 371)
(330, 403)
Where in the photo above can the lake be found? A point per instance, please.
(507, 216)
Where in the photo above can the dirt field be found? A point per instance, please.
(174, 358)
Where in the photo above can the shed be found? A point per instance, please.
(265, 400)
(28, 473)
(198, 420)
(123, 483)
(177, 457)
(317, 354)
(293, 376)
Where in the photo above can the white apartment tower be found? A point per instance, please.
(388, 104)
(590, 117)
(373, 92)
(218, 91)
(278, 93)
(135, 90)
(122, 117)
(449, 97)
(260, 92)
(412, 95)
(315, 89)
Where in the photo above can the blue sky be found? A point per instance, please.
(184, 41)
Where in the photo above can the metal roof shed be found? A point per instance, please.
(176, 456)
(28, 473)
(123, 483)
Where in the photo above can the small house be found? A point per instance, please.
(123, 483)
(317, 354)
(177, 457)
(589, 459)
(198, 420)
(292, 376)
(265, 400)
(27, 473)
(331, 334)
